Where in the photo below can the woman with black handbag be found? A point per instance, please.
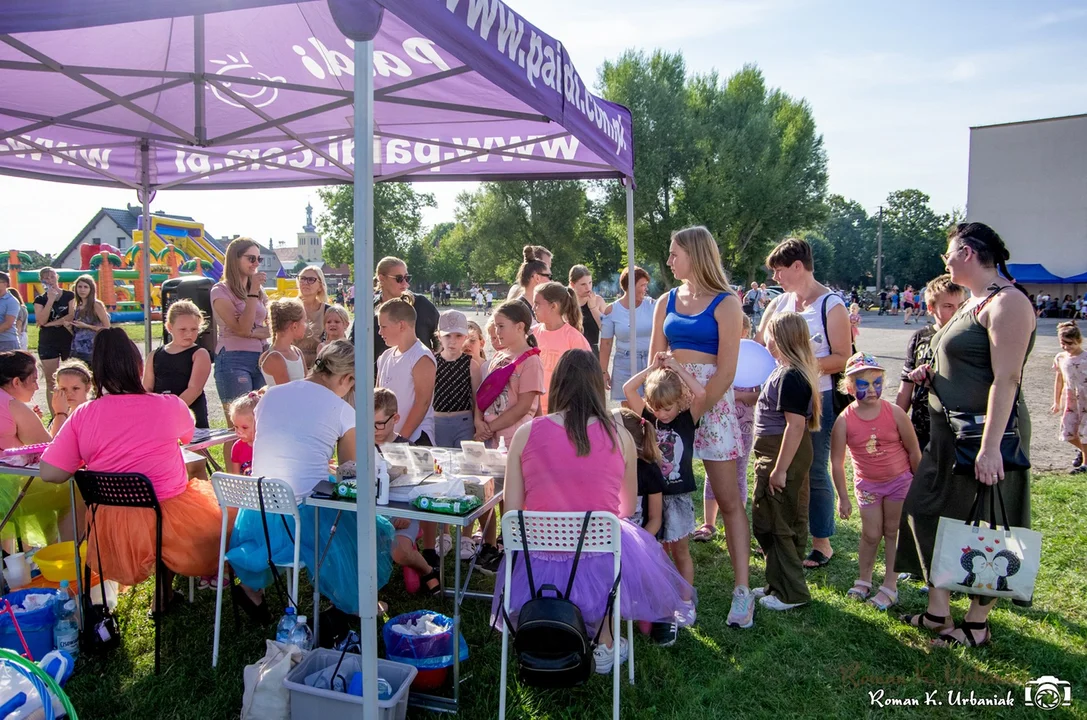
(979, 423)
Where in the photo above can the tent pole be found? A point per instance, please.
(364, 368)
(629, 182)
(145, 198)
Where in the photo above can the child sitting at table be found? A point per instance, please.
(283, 362)
(337, 321)
(243, 418)
(417, 570)
(181, 367)
(72, 382)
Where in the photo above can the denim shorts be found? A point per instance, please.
(236, 373)
(620, 372)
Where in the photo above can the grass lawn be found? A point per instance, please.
(820, 661)
(136, 331)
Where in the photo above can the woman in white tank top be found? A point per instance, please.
(793, 269)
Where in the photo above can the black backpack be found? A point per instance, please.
(551, 643)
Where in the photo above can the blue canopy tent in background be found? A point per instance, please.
(212, 94)
(1034, 273)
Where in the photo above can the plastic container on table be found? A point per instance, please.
(37, 625)
(57, 561)
(310, 703)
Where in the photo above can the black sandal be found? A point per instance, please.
(257, 613)
(968, 628)
(817, 557)
(425, 581)
(940, 623)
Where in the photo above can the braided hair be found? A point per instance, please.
(990, 248)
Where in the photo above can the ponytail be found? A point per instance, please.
(644, 435)
(989, 246)
(553, 292)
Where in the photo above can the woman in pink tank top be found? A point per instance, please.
(883, 447)
(579, 459)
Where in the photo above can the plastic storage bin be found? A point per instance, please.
(37, 625)
(310, 703)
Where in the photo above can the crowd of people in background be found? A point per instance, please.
(284, 371)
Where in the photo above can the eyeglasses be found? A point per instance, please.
(307, 279)
(379, 425)
(947, 256)
(546, 275)
(252, 258)
(400, 278)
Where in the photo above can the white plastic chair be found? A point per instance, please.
(559, 532)
(240, 491)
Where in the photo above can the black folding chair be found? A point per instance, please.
(129, 490)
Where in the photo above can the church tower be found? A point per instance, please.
(310, 248)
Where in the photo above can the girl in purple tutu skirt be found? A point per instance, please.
(578, 459)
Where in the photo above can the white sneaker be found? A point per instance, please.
(467, 548)
(605, 656)
(444, 544)
(772, 602)
(742, 612)
(760, 592)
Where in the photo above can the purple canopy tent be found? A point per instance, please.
(208, 94)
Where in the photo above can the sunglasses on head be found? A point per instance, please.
(307, 279)
(400, 278)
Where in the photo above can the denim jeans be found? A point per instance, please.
(236, 373)
(822, 503)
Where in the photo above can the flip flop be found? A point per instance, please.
(704, 533)
(818, 558)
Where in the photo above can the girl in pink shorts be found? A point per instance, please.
(884, 451)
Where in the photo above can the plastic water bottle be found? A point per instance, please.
(382, 470)
(286, 624)
(62, 595)
(301, 635)
(66, 629)
(502, 445)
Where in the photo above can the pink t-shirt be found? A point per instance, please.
(9, 430)
(528, 377)
(227, 339)
(242, 456)
(592, 482)
(128, 433)
(553, 343)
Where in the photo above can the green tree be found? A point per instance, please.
(913, 238)
(743, 160)
(398, 221)
(299, 266)
(852, 234)
(761, 171)
(654, 88)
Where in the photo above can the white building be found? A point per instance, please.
(310, 247)
(1028, 181)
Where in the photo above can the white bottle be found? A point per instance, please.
(502, 444)
(301, 635)
(382, 470)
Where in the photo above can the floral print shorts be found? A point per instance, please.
(718, 435)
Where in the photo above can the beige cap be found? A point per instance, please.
(452, 321)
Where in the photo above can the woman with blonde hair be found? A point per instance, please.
(313, 292)
(240, 308)
(701, 322)
(392, 280)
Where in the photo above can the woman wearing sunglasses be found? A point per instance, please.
(240, 308)
(313, 292)
(392, 281)
(534, 271)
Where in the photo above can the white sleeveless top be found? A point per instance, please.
(296, 369)
(813, 315)
(394, 372)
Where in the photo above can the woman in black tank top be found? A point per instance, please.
(592, 305)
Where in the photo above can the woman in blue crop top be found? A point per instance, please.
(701, 323)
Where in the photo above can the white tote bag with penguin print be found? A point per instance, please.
(997, 560)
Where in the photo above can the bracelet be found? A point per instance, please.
(60, 413)
(255, 296)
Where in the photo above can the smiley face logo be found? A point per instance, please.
(260, 96)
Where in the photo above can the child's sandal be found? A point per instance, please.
(860, 590)
(886, 592)
(704, 533)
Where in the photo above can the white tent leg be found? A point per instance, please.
(629, 182)
(364, 368)
(145, 198)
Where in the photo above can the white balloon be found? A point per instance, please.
(754, 365)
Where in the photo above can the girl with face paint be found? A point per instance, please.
(883, 448)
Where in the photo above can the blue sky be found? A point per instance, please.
(894, 89)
